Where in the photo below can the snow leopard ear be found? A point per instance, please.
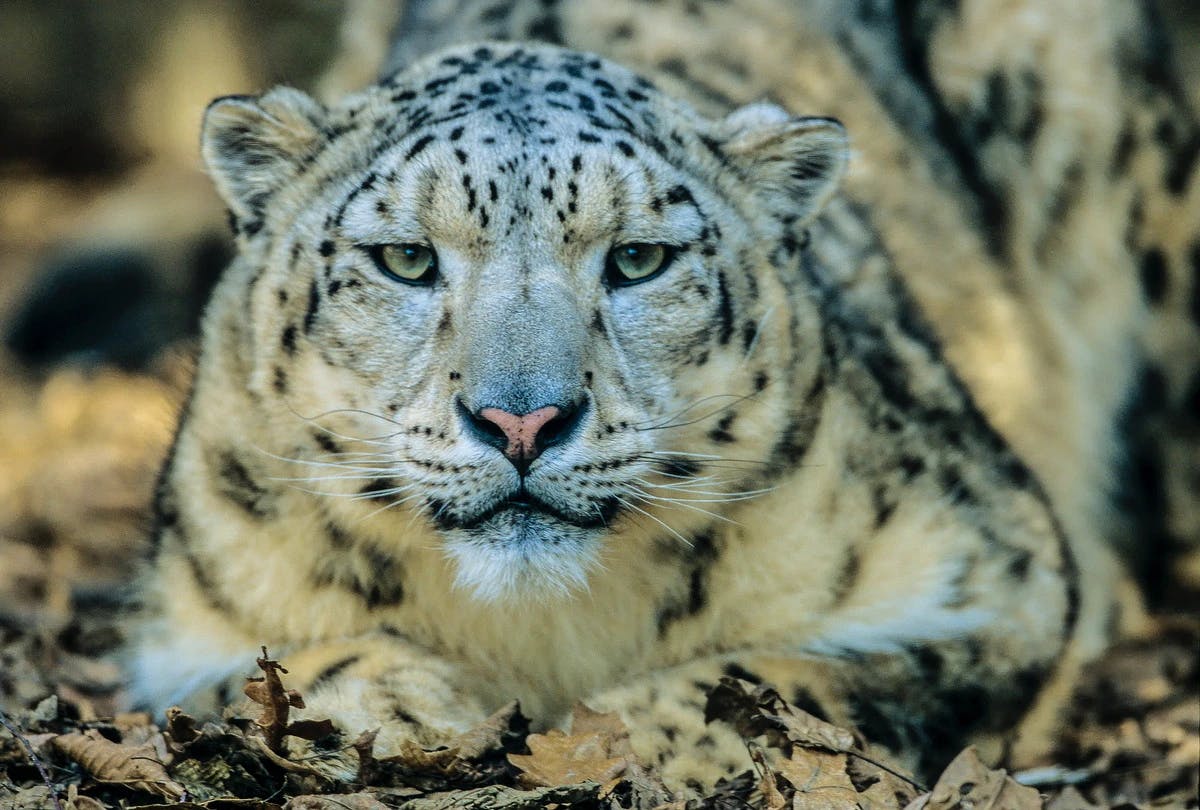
(794, 163)
(253, 145)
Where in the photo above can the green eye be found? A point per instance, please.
(637, 261)
(407, 262)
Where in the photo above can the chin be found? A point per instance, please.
(522, 555)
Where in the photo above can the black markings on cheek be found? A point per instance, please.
(418, 146)
(333, 287)
(598, 324)
(760, 381)
(681, 468)
(280, 380)
(680, 194)
(385, 586)
(234, 482)
(721, 433)
(454, 375)
(625, 149)
(326, 248)
(379, 489)
(326, 443)
(443, 328)
(724, 309)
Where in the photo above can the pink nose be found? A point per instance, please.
(521, 431)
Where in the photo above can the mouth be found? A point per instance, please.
(525, 505)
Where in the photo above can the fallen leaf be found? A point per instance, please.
(181, 728)
(475, 757)
(498, 797)
(816, 764)
(600, 753)
(277, 704)
(341, 801)
(755, 710)
(968, 783)
(138, 768)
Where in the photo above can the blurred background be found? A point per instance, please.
(111, 238)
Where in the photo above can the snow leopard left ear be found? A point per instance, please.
(793, 163)
(253, 145)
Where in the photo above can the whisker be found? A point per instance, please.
(639, 510)
(645, 496)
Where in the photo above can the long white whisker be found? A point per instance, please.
(639, 510)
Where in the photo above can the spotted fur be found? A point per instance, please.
(855, 440)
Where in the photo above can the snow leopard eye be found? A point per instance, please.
(635, 262)
(407, 262)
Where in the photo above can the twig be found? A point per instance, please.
(920, 788)
(33, 757)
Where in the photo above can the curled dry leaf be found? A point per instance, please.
(138, 768)
(277, 704)
(473, 758)
(968, 783)
(761, 710)
(181, 728)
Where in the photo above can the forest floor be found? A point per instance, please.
(79, 454)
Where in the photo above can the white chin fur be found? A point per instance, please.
(496, 567)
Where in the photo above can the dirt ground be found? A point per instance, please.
(98, 112)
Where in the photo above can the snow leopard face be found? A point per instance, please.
(520, 292)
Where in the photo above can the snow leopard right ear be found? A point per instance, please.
(253, 145)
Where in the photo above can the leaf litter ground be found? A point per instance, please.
(79, 455)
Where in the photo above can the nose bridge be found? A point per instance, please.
(526, 348)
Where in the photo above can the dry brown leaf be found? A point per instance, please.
(139, 768)
(340, 801)
(499, 797)
(181, 728)
(596, 750)
(276, 701)
(277, 704)
(810, 779)
(817, 764)
(761, 710)
(968, 783)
